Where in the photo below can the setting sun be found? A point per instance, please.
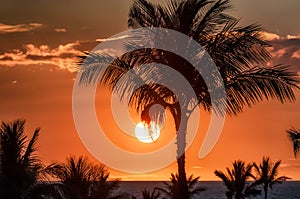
(145, 133)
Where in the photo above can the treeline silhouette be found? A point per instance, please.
(23, 175)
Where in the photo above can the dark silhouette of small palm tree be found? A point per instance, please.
(236, 181)
(20, 167)
(238, 52)
(172, 189)
(154, 194)
(294, 136)
(267, 174)
(81, 179)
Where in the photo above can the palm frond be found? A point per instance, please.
(20, 168)
(267, 174)
(172, 189)
(28, 157)
(294, 136)
(211, 19)
(142, 14)
(251, 86)
(236, 180)
(154, 194)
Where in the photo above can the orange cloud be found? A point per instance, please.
(296, 54)
(278, 53)
(63, 56)
(113, 38)
(293, 36)
(5, 28)
(270, 36)
(60, 30)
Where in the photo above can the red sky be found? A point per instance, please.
(39, 42)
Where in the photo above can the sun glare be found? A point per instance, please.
(147, 133)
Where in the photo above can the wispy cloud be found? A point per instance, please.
(277, 53)
(5, 28)
(296, 54)
(270, 36)
(290, 165)
(197, 167)
(62, 56)
(113, 38)
(60, 30)
(293, 36)
(284, 50)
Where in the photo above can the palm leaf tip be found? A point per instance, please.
(294, 136)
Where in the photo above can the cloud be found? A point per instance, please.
(290, 165)
(277, 53)
(63, 56)
(293, 36)
(197, 167)
(5, 28)
(60, 30)
(285, 50)
(296, 54)
(270, 36)
(113, 38)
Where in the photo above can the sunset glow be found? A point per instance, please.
(147, 133)
(40, 45)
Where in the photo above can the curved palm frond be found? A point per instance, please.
(294, 136)
(255, 84)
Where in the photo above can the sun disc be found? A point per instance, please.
(145, 133)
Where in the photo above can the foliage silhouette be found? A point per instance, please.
(20, 167)
(81, 179)
(236, 181)
(294, 136)
(172, 189)
(146, 194)
(239, 53)
(267, 173)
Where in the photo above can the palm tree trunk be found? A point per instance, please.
(181, 144)
(266, 192)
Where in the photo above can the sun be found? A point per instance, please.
(147, 133)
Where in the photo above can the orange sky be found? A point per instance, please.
(36, 84)
(44, 99)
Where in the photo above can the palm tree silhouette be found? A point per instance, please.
(294, 136)
(238, 52)
(146, 194)
(267, 173)
(20, 167)
(81, 179)
(236, 181)
(172, 189)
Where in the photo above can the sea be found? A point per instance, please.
(215, 189)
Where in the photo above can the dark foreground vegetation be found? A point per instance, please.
(23, 175)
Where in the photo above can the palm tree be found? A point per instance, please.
(20, 167)
(150, 194)
(172, 189)
(81, 179)
(267, 173)
(294, 135)
(238, 52)
(236, 181)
